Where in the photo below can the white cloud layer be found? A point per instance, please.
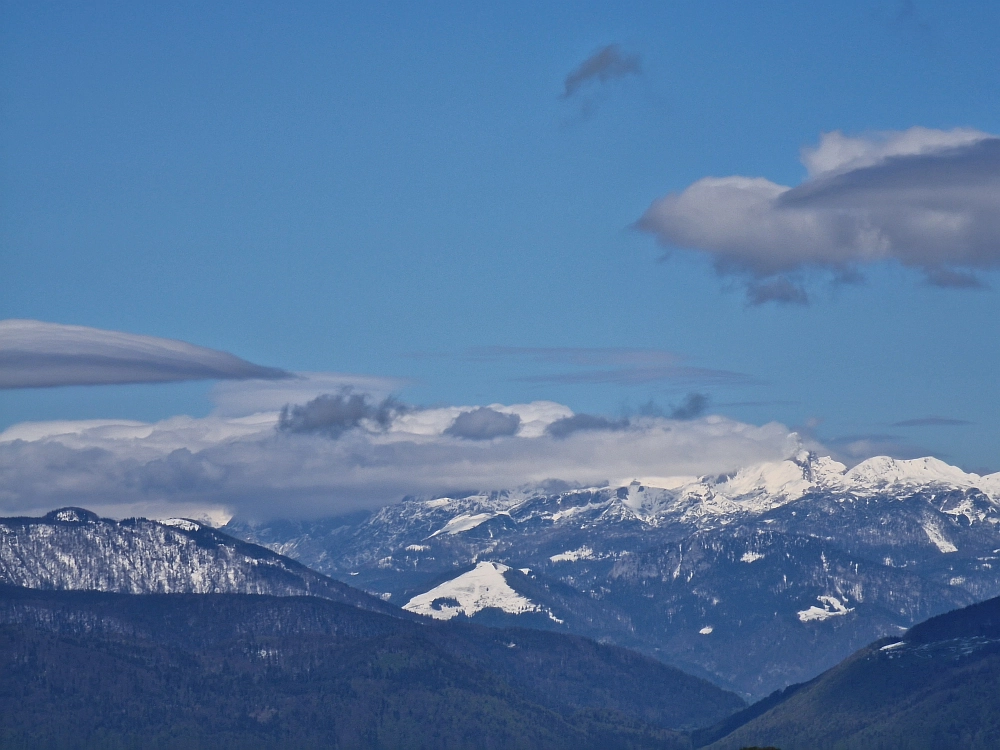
(34, 354)
(928, 199)
(217, 465)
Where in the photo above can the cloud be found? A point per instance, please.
(692, 407)
(566, 426)
(483, 423)
(238, 397)
(620, 366)
(334, 414)
(778, 289)
(34, 354)
(215, 466)
(927, 199)
(932, 422)
(607, 64)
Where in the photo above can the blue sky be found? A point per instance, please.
(404, 191)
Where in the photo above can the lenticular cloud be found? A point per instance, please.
(34, 354)
(928, 199)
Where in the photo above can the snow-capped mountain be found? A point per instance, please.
(72, 548)
(756, 579)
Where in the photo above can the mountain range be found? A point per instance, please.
(139, 633)
(755, 580)
(232, 666)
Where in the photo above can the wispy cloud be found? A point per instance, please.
(34, 354)
(606, 64)
(932, 422)
(622, 366)
(927, 199)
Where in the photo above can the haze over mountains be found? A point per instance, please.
(756, 580)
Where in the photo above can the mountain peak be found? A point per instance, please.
(882, 471)
(72, 515)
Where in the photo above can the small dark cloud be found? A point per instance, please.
(932, 422)
(578, 422)
(947, 278)
(907, 14)
(651, 409)
(335, 414)
(778, 289)
(692, 407)
(483, 424)
(607, 64)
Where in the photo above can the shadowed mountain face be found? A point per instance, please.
(86, 669)
(936, 687)
(756, 580)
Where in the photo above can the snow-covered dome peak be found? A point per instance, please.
(72, 515)
(882, 471)
(788, 479)
(184, 524)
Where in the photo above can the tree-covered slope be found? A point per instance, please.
(938, 687)
(88, 669)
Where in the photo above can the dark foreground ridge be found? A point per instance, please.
(89, 669)
(937, 687)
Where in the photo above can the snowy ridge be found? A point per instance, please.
(706, 501)
(759, 556)
(74, 549)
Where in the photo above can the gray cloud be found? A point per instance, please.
(334, 414)
(692, 407)
(621, 366)
(34, 354)
(483, 424)
(932, 422)
(607, 64)
(213, 466)
(927, 199)
(776, 289)
(568, 425)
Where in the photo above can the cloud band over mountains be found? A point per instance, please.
(340, 455)
(928, 199)
(34, 354)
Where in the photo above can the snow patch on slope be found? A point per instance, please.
(938, 539)
(481, 588)
(464, 522)
(583, 553)
(832, 607)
